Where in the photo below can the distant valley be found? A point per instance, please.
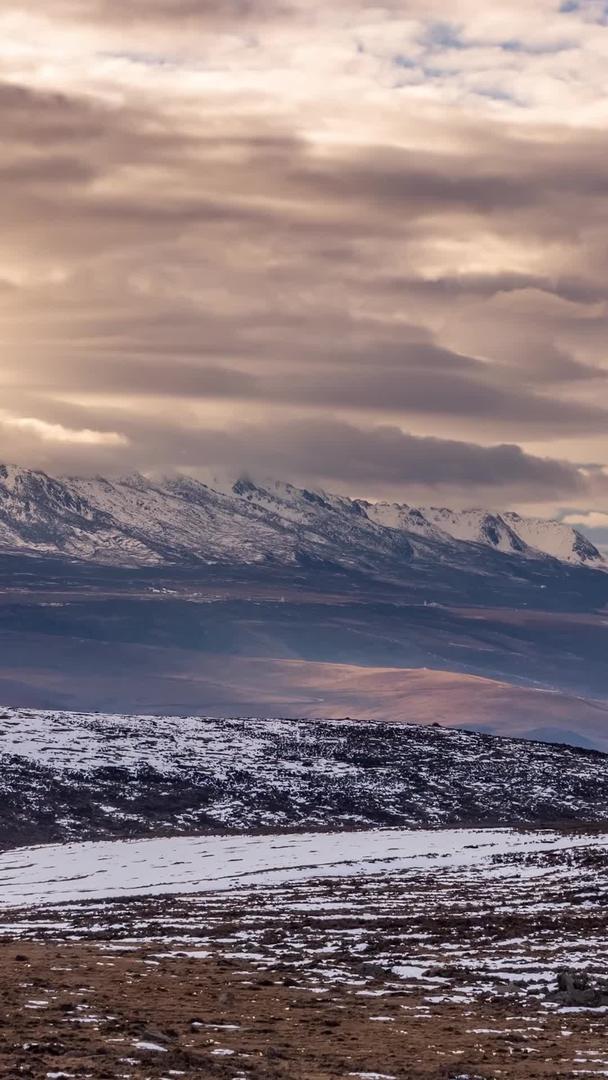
(168, 596)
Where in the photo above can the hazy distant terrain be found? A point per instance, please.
(235, 648)
(144, 597)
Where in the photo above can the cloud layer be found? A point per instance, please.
(348, 244)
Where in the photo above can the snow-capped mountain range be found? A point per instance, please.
(139, 521)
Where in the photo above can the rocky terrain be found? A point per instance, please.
(71, 776)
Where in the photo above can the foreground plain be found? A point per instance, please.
(488, 963)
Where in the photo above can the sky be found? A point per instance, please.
(362, 247)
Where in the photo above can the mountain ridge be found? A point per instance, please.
(75, 776)
(141, 521)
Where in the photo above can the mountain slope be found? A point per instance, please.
(507, 532)
(70, 776)
(144, 522)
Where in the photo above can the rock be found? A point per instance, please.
(153, 1035)
(274, 1052)
(576, 988)
(376, 971)
(446, 971)
(569, 980)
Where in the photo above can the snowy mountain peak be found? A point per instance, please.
(140, 520)
(557, 539)
(506, 532)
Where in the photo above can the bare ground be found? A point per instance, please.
(429, 976)
(73, 1010)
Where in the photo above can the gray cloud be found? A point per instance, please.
(383, 459)
(386, 455)
(407, 383)
(577, 290)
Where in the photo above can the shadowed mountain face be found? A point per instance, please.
(170, 597)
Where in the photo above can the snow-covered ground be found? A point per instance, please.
(77, 776)
(91, 871)
(455, 916)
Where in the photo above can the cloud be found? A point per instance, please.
(163, 11)
(388, 456)
(56, 433)
(594, 519)
(413, 380)
(382, 460)
(335, 240)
